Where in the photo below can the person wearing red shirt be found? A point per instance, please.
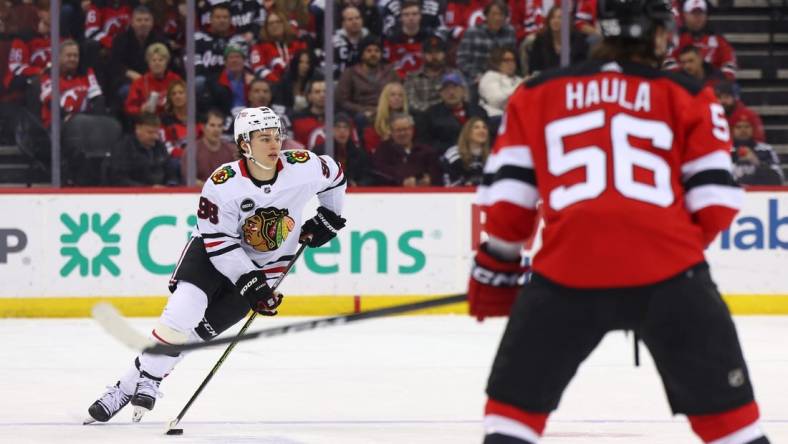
(278, 44)
(632, 167)
(728, 95)
(79, 90)
(149, 92)
(308, 129)
(104, 19)
(714, 48)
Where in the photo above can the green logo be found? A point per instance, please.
(89, 244)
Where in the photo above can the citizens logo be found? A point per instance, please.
(89, 244)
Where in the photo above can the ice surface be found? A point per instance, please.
(396, 380)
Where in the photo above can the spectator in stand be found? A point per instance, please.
(498, 83)
(527, 18)
(423, 86)
(442, 123)
(212, 151)
(403, 43)
(714, 48)
(347, 39)
(28, 57)
(128, 59)
(105, 19)
(360, 86)
(585, 18)
(210, 46)
(478, 41)
(246, 15)
(278, 44)
(141, 160)
(79, 89)
(370, 13)
(261, 94)
(302, 20)
(432, 13)
(308, 124)
(461, 15)
(353, 159)
(545, 51)
(392, 101)
(400, 161)
(149, 92)
(174, 119)
(463, 164)
(727, 93)
(291, 91)
(755, 163)
(693, 65)
(231, 88)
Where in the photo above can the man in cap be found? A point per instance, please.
(713, 47)
(423, 85)
(442, 123)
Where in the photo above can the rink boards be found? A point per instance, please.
(60, 252)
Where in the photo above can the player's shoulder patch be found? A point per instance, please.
(296, 156)
(223, 174)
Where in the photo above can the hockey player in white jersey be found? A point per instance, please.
(249, 226)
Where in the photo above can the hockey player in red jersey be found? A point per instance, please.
(249, 225)
(633, 169)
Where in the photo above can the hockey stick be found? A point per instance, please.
(233, 341)
(109, 318)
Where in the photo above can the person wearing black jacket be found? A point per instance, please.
(141, 159)
(353, 159)
(441, 124)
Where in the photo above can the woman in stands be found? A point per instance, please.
(463, 163)
(392, 100)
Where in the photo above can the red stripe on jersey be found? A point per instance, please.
(158, 338)
(713, 220)
(279, 165)
(242, 167)
(718, 425)
(275, 270)
(213, 244)
(499, 221)
(534, 420)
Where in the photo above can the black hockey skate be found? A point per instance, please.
(145, 396)
(108, 405)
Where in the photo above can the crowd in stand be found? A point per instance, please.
(420, 84)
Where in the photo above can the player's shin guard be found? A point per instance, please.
(506, 424)
(735, 426)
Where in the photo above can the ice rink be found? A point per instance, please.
(413, 379)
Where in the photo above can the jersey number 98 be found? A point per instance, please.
(208, 210)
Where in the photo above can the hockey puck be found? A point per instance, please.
(175, 432)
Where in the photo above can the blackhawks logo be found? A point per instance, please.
(267, 228)
(296, 156)
(222, 175)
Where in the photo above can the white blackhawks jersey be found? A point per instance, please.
(251, 225)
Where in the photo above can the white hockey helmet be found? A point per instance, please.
(255, 119)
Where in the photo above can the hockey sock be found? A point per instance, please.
(735, 426)
(506, 424)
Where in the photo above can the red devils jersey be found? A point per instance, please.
(404, 51)
(632, 165)
(75, 92)
(106, 19)
(269, 60)
(28, 57)
(713, 48)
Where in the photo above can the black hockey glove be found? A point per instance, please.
(258, 294)
(321, 228)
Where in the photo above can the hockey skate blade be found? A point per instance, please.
(88, 421)
(113, 323)
(139, 412)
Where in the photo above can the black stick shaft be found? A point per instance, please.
(160, 349)
(636, 342)
(233, 341)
